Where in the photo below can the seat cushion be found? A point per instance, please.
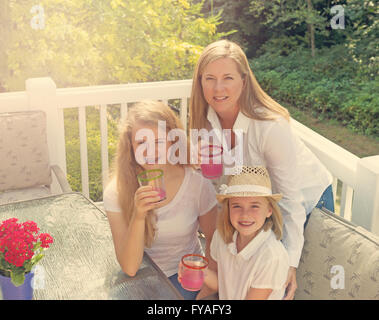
(339, 261)
(24, 155)
(23, 194)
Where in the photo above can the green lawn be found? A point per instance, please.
(358, 144)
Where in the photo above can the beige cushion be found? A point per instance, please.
(24, 194)
(24, 157)
(331, 241)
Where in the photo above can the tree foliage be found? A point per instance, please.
(363, 32)
(87, 42)
(281, 26)
(329, 87)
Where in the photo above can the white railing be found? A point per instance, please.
(359, 200)
(115, 94)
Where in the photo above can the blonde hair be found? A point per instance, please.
(126, 167)
(253, 102)
(274, 222)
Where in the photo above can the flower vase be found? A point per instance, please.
(11, 292)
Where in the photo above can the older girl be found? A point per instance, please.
(166, 229)
(226, 95)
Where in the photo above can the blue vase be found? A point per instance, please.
(11, 292)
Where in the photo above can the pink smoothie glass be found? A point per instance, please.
(211, 161)
(192, 271)
(153, 178)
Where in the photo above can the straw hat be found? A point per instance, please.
(248, 182)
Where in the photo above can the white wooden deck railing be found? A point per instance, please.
(359, 200)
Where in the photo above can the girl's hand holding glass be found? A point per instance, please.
(145, 199)
(192, 271)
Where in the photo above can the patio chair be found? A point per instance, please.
(340, 260)
(25, 170)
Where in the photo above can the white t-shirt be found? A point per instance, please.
(262, 264)
(177, 221)
(294, 170)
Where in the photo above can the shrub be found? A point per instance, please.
(332, 85)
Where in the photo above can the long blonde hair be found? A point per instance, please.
(274, 222)
(126, 167)
(253, 102)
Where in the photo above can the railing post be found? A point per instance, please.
(365, 209)
(42, 95)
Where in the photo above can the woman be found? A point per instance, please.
(226, 95)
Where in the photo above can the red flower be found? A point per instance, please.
(46, 239)
(17, 240)
(30, 226)
(18, 251)
(8, 226)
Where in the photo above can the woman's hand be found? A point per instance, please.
(145, 199)
(291, 284)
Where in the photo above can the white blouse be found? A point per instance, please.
(177, 221)
(294, 170)
(262, 264)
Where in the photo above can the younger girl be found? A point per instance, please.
(252, 263)
(139, 221)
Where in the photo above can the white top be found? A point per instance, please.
(262, 264)
(177, 221)
(294, 170)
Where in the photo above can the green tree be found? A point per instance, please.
(153, 40)
(278, 26)
(62, 49)
(290, 24)
(242, 27)
(87, 42)
(362, 29)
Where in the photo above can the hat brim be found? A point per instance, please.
(221, 197)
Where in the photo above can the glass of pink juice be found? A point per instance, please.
(153, 178)
(192, 270)
(211, 161)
